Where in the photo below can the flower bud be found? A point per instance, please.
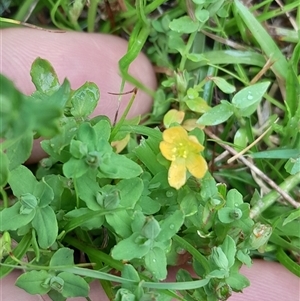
(260, 235)
(151, 228)
(5, 245)
(93, 159)
(28, 203)
(57, 283)
(219, 258)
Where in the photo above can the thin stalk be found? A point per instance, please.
(4, 197)
(25, 10)
(287, 185)
(92, 15)
(187, 50)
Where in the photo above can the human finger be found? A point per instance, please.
(80, 57)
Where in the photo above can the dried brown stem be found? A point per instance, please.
(254, 169)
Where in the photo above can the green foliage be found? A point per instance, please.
(100, 189)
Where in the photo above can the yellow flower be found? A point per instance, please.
(184, 153)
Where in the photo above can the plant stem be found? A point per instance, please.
(187, 50)
(193, 251)
(92, 15)
(270, 198)
(25, 10)
(4, 197)
(258, 172)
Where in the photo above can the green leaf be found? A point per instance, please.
(75, 10)
(4, 171)
(237, 281)
(277, 153)
(220, 274)
(130, 191)
(44, 193)
(247, 100)
(156, 263)
(129, 272)
(229, 248)
(120, 167)
(46, 117)
(219, 57)
(173, 117)
(34, 282)
(61, 96)
(244, 258)
(86, 133)
(228, 215)
(189, 205)
(219, 258)
(240, 138)
(170, 226)
(43, 76)
(28, 203)
(74, 286)
(55, 295)
(78, 149)
(286, 261)
(75, 168)
(87, 189)
(22, 180)
(234, 198)
(121, 223)
(148, 205)
(103, 129)
(164, 285)
(209, 189)
(84, 100)
(19, 252)
(124, 295)
(61, 257)
(12, 219)
(202, 15)
(132, 247)
(20, 151)
(265, 41)
(46, 227)
(184, 25)
(196, 57)
(176, 42)
(147, 152)
(292, 81)
(223, 85)
(216, 115)
(294, 215)
(151, 228)
(55, 145)
(138, 221)
(92, 223)
(292, 166)
(198, 105)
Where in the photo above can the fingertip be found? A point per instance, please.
(80, 57)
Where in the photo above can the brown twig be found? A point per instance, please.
(256, 170)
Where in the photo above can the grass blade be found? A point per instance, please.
(267, 44)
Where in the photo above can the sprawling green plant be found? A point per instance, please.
(86, 193)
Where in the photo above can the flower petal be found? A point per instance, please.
(196, 146)
(196, 165)
(177, 173)
(175, 134)
(167, 150)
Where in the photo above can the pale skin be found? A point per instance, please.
(94, 57)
